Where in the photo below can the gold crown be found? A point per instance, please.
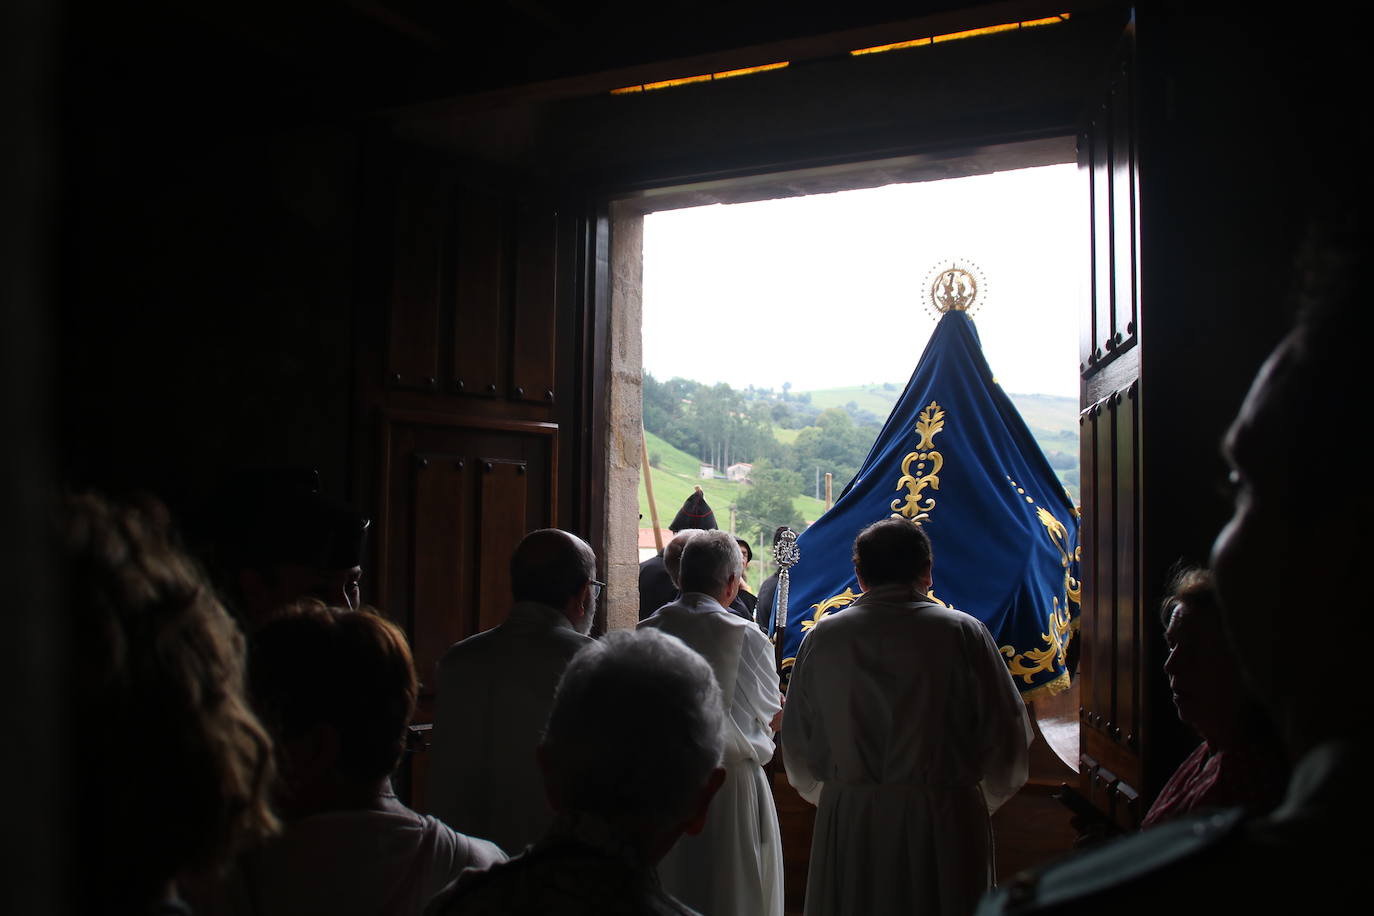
(954, 286)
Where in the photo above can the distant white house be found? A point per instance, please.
(738, 471)
(707, 472)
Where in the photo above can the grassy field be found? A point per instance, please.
(676, 475)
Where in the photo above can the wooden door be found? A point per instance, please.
(1114, 633)
(470, 369)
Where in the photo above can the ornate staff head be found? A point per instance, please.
(785, 553)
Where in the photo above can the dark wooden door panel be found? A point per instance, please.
(439, 573)
(480, 289)
(414, 313)
(501, 523)
(536, 293)
(460, 495)
(1107, 157)
(1125, 723)
(1113, 683)
(1125, 226)
(1098, 166)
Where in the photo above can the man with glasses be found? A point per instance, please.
(495, 690)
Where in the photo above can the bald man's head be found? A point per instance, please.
(551, 566)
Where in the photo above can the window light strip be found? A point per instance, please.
(701, 78)
(967, 33)
(877, 49)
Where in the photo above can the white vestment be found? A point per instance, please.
(339, 863)
(495, 693)
(906, 730)
(734, 866)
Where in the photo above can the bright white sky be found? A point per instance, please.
(828, 291)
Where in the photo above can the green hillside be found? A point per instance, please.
(676, 474)
(875, 398)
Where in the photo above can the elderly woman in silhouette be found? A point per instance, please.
(1240, 761)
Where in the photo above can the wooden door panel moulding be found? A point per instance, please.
(438, 587)
(535, 305)
(1125, 224)
(1101, 238)
(415, 436)
(392, 416)
(1087, 325)
(1107, 158)
(481, 260)
(1097, 629)
(1126, 598)
(413, 328)
(501, 524)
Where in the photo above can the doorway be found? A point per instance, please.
(645, 290)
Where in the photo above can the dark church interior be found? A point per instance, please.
(374, 238)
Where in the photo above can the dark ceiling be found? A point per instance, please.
(212, 58)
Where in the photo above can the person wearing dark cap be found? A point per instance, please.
(656, 587)
(746, 597)
(276, 539)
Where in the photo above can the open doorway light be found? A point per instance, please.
(777, 334)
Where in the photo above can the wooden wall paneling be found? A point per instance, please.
(440, 561)
(1125, 226)
(502, 492)
(535, 304)
(481, 259)
(413, 326)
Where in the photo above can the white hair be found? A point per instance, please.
(672, 554)
(708, 562)
(637, 727)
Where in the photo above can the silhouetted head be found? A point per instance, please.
(277, 540)
(636, 737)
(1295, 555)
(1208, 689)
(712, 565)
(172, 767)
(556, 569)
(672, 555)
(893, 552)
(337, 689)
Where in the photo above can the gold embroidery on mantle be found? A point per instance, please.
(824, 608)
(1026, 665)
(913, 506)
(1052, 655)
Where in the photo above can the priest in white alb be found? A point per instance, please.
(904, 727)
(734, 866)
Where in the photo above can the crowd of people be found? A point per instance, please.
(242, 763)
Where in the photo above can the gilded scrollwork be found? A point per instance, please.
(1050, 657)
(1062, 622)
(823, 608)
(915, 505)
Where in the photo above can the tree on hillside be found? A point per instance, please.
(767, 502)
(835, 445)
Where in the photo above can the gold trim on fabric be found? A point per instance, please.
(1048, 689)
(912, 506)
(822, 609)
(1026, 665)
(1062, 623)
